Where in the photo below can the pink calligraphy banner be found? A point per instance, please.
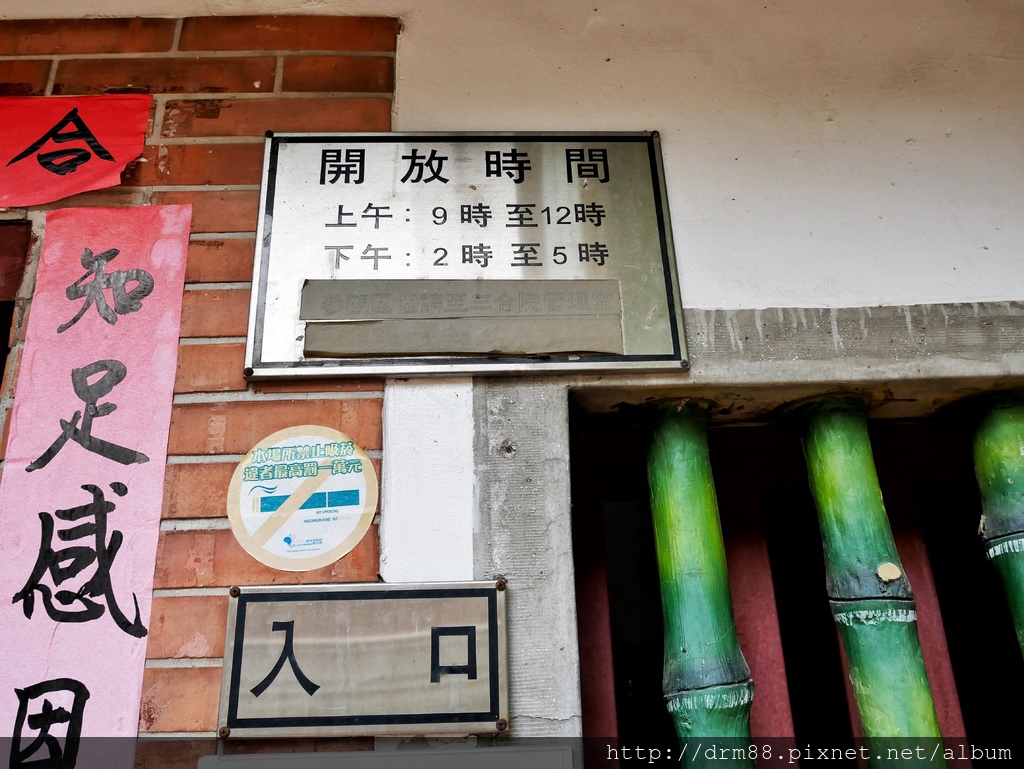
(83, 477)
(53, 147)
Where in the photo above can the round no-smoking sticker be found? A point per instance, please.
(302, 498)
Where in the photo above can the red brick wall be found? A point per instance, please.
(218, 85)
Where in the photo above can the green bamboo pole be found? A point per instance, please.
(707, 683)
(871, 599)
(999, 468)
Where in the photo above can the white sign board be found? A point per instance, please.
(428, 253)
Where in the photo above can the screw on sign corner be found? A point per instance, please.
(224, 732)
(501, 584)
(235, 591)
(502, 725)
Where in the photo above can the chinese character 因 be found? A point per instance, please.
(65, 161)
(60, 703)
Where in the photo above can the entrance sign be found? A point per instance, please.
(322, 660)
(302, 498)
(463, 253)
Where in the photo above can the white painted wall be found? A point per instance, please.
(818, 153)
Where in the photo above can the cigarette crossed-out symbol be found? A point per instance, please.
(287, 653)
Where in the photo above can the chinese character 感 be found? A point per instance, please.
(125, 302)
(586, 164)
(514, 164)
(113, 373)
(418, 164)
(66, 161)
(80, 605)
(332, 167)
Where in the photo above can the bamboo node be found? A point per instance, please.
(1002, 547)
(727, 697)
(875, 616)
(889, 572)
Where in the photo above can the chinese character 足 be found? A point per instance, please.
(514, 164)
(419, 164)
(81, 604)
(586, 164)
(41, 707)
(65, 161)
(113, 373)
(125, 302)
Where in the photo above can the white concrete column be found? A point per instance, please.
(427, 504)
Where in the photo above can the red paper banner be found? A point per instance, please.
(82, 482)
(54, 147)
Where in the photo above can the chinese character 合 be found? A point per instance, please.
(418, 164)
(46, 750)
(586, 164)
(113, 372)
(65, 161)
(514, 164)
(125, 302)
(332, 167)
(80, 605)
